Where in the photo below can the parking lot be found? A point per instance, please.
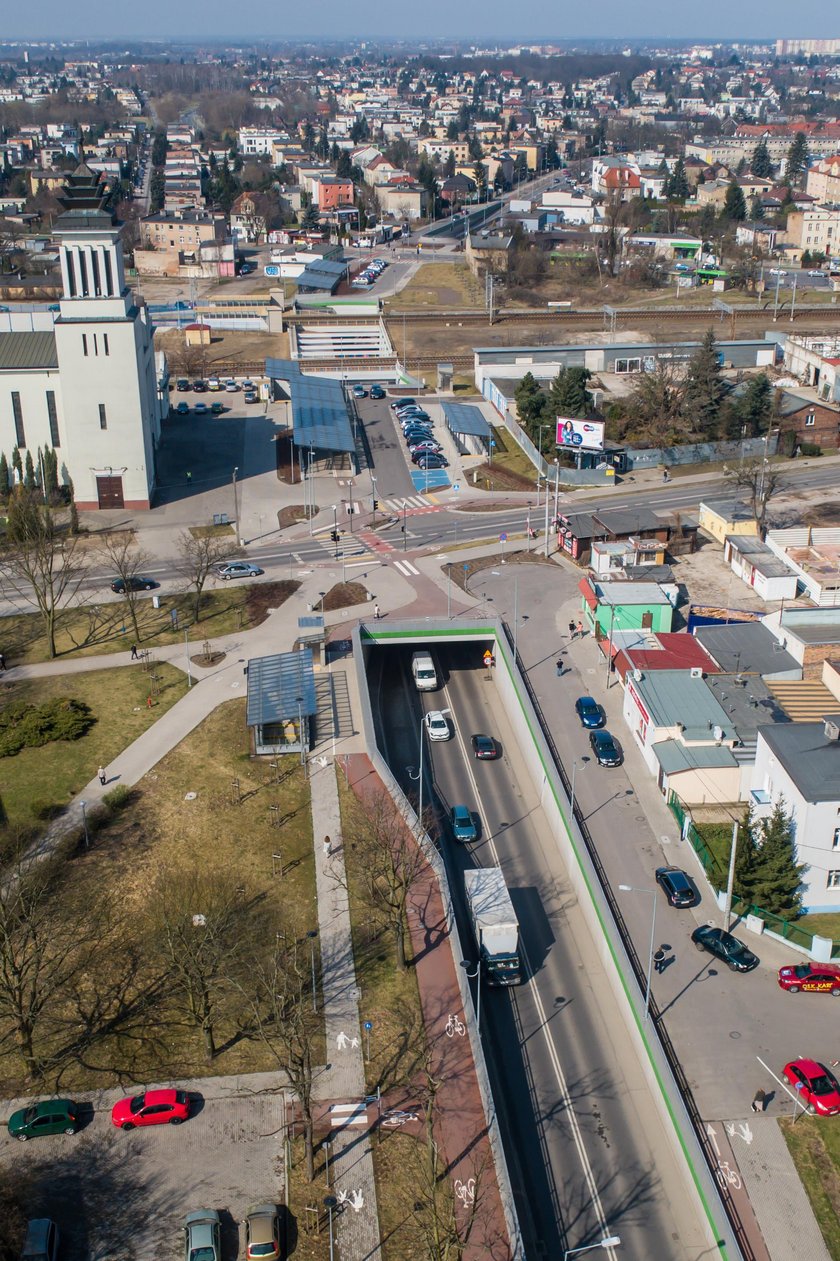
(115, 1194)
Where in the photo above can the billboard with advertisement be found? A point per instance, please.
(585, 435)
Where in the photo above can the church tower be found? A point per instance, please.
(104, 346)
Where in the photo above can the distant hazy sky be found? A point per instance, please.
(475, 20)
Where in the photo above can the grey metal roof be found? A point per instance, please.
(673, 756)
(27, 351)
(811, 760)
(274, 685)
(747, 648)
(760, 555)
(628, 520)
(466, 418)
(320, 419)
(748, 702)
(673, 696)
(812, 626)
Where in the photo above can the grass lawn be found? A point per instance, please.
(827, 925)
(37, 781)
(814, 1144)
(440, 285)
(103, 628)
(510, 468)
(137, 1028)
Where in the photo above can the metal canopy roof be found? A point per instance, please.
(319, 411)
(275, 684)
(27, 350)
(466, 418)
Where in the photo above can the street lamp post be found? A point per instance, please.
(405, 523)
(611, 1241)
(579, 761)
(466, 964)
(236, 509)
(330, 1203)
(335, 530)
(373, 497)
(449, 591)
(83, 804)
(420, 786)
(300, 730)
(630, 888)
(312, 934)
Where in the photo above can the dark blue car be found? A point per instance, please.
(590, 712)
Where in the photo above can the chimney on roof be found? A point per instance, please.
(831, 726)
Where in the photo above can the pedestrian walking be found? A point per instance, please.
(579, 630)
(2, 661)
(571, 630)
(560, 667)
(189, 477)
(658, 960)
(103, 776)
(759, 1098)
(376, 612)
(665, 476)
(327, 847)
(134, 654)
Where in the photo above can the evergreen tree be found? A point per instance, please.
(679, 188)
(777, 877)
(29, 472)
(761, 166)
(756, 208)
(704, 388)
(746, 857)
(17, 463)
(750, 414)
(310, 218)
(797, 159)
(344, 167)
(74, 511)
(480, 177)
(449, 164)
(665, 174)
(568, 395)
(734, 204)
(4, 474)
(530, 400)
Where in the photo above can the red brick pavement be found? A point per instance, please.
(460, 1129)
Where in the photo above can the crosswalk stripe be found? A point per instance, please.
(348, 1114)
(406, 568)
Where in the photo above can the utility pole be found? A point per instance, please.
(236, 510)
(731, 879)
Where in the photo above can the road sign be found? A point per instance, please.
(271, 269)
(368, 1024)
(488, 656)
(456, 486)
(503, 538)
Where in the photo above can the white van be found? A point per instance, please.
(423, 669)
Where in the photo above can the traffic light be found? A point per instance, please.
(375, 505)
(334, 535)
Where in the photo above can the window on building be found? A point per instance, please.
(103, 419)
(105, 343)
(810, 419)
(109, 277)
(55, 436)
(84, 344)
(17, 412)
(832, 880)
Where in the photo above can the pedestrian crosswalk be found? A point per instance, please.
(406, 568)
(412, 504)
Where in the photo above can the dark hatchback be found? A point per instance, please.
(676, 886)
(137, 583)
(485, 748)
(590, 712)
(606, 748)
(725, 947)
(51, 1116)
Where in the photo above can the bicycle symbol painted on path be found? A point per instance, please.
(725, 1174)
(453, 1026)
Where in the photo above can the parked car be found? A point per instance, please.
(399, 403)
(251, 396)
(231, 386)
(183, 409)
(676, 886)
(437, 727)
(152, 1107)
(818, 978)
(606, 748)
(428, 460)
(214, 384)
(202, 1236)
(463, 827)
(199, 386)
(217, 408)
(200, 409)
(240, 569)
(484, 748)
(376, 391)
(182, 384)
(589, 712)
(262, 1233)
(50, 1116)
(136, 582)
(41, 1240)
(816, 1085)
(725, 947)
(359, 391)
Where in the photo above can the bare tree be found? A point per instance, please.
(198, 557)
(282, 1004)
(389, 861)
(42, 562)
(760, 481)
(656, 406)
(613, 216)
(127, 563)
(203, 921)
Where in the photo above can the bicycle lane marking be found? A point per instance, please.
(722, 1135)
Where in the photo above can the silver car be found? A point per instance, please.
(240, 569)
(202, 1236)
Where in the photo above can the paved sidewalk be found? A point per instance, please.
(777, 1195)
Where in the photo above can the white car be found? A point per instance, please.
(437, 728)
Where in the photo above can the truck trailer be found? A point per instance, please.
(494, 924)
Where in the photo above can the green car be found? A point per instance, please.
(217, 408)
(53, 1116)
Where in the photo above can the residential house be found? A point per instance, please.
(485, 253)
(759, 567)
(251, 216)
(811, 636)
(809, 420)
(747, 650)
(815, 360)
(184, 243)
(403, 199)
(722, 518)
(610, 606)
(663, 650)
(330, 193)
(823, 181)
(817, 229)
(578, 530)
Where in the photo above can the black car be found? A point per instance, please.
(606, 748)
(199, 387)
(431, 462)
(135, 583)
(590, 712)
(400, 403)
(485, 748)
(376, 391)
(725, 947)
(676, 886)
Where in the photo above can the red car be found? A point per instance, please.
(816, 1085)
(153, 1107)
(824, 978)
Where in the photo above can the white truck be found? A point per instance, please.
(423, 670)
(495, 925)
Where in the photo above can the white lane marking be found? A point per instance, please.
(406, 569)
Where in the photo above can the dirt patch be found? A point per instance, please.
(264, 596)
(822, 515)
(494, 477)
(342, 596)
(294, 514)
(227, 347)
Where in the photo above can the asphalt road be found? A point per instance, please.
(587, 1153)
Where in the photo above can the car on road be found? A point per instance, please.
(463, 827)
(816, 273)
(41, 1240)
(437, 728)
(203, 1236)
(136, 582)
(152, 1107)
(359, 391)
(376, 391)
(725, 947)
(183, 409)
(262, 1233)
(484, 748)
(818, 978)
(217, 409)
(606, 748)
(676, 886)
(50, 1116)
(816, 1086)
(200, 409)
(589, 712)
(240, 569)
